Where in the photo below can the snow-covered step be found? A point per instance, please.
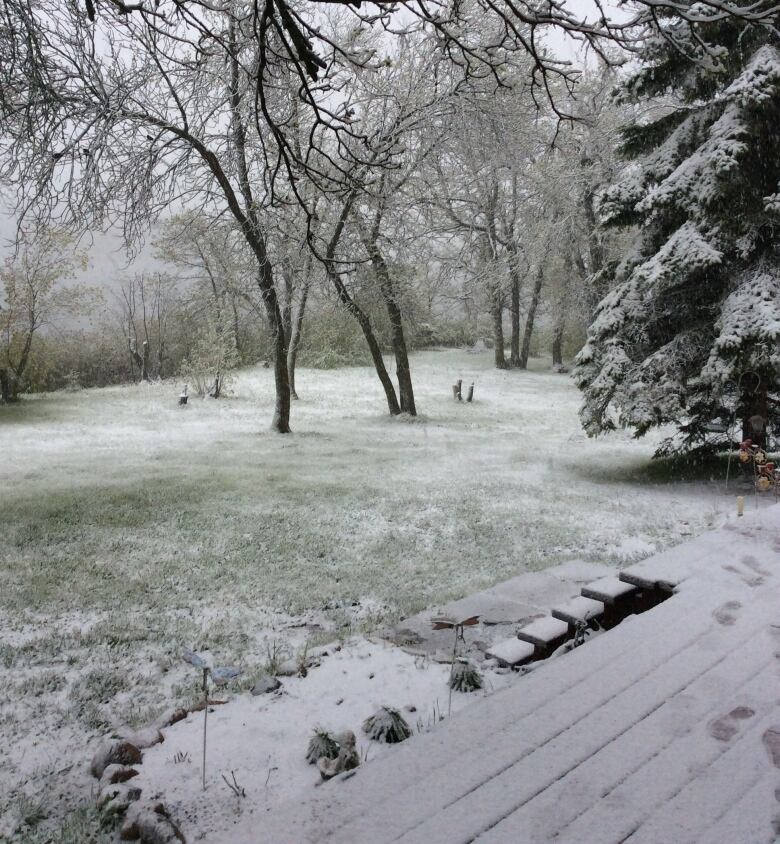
(609, 590)
(545, 633)
(511, 652)
(579, 609)
(667, 570)
(648, 578)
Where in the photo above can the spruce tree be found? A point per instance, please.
(689, 334)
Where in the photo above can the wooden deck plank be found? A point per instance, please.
(712, 792)
(469, 812)
(755, 818)
(543, 817)
(653, 787)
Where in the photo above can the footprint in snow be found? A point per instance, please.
(752, 563)
(725, 728)
(747, 579)
(725, 614)
(771, 739)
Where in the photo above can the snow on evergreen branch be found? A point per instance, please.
(748, 331)
(759, 82)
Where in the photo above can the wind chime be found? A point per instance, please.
(766, 474)
(752, 452)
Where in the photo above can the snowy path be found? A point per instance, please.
(657, 731)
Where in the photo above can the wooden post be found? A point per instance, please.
(470, 394)
(460, 385)
(455, 391)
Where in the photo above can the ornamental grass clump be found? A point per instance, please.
(387, 725)
(321, 744)
(465, 677)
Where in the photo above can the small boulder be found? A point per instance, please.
(148, 737)
(114, 753)
(288, 668)
(347, 759)
(150, 823)
(117, 773)
(266, 684)
(120, 795)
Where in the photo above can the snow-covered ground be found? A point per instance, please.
(131, 528)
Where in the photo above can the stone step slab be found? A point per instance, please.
(578, 610)
(609, 590)
(511, 652)
(545, 632)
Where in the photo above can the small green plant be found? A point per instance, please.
(276, 653)
(302, 660)
(31, 813)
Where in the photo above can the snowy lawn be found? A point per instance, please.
(130, 528)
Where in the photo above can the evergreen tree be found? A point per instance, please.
(689, 333)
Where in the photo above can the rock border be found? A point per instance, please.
(115, 764)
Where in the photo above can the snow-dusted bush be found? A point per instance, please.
(465, 677)
(387, 725)
(321, 745)
(211, 360)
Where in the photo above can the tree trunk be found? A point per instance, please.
(529, 320)
(145, 362)
(557, 341)
(236, 329)
(498, 329)
(403, 370)
(561, 304)
(755, 414)
(595, 289)
(281, 419)
(6, 394)
(514, 343)
(295, 336)
(255, 237)
(16, 373)
(136, 357)
(365, 325)
(353, 308)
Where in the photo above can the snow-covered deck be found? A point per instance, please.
(664, 729)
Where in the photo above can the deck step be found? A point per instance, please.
(545, 632)
(609, 590)
(646, 579)
(579, 609)
(511, 652)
